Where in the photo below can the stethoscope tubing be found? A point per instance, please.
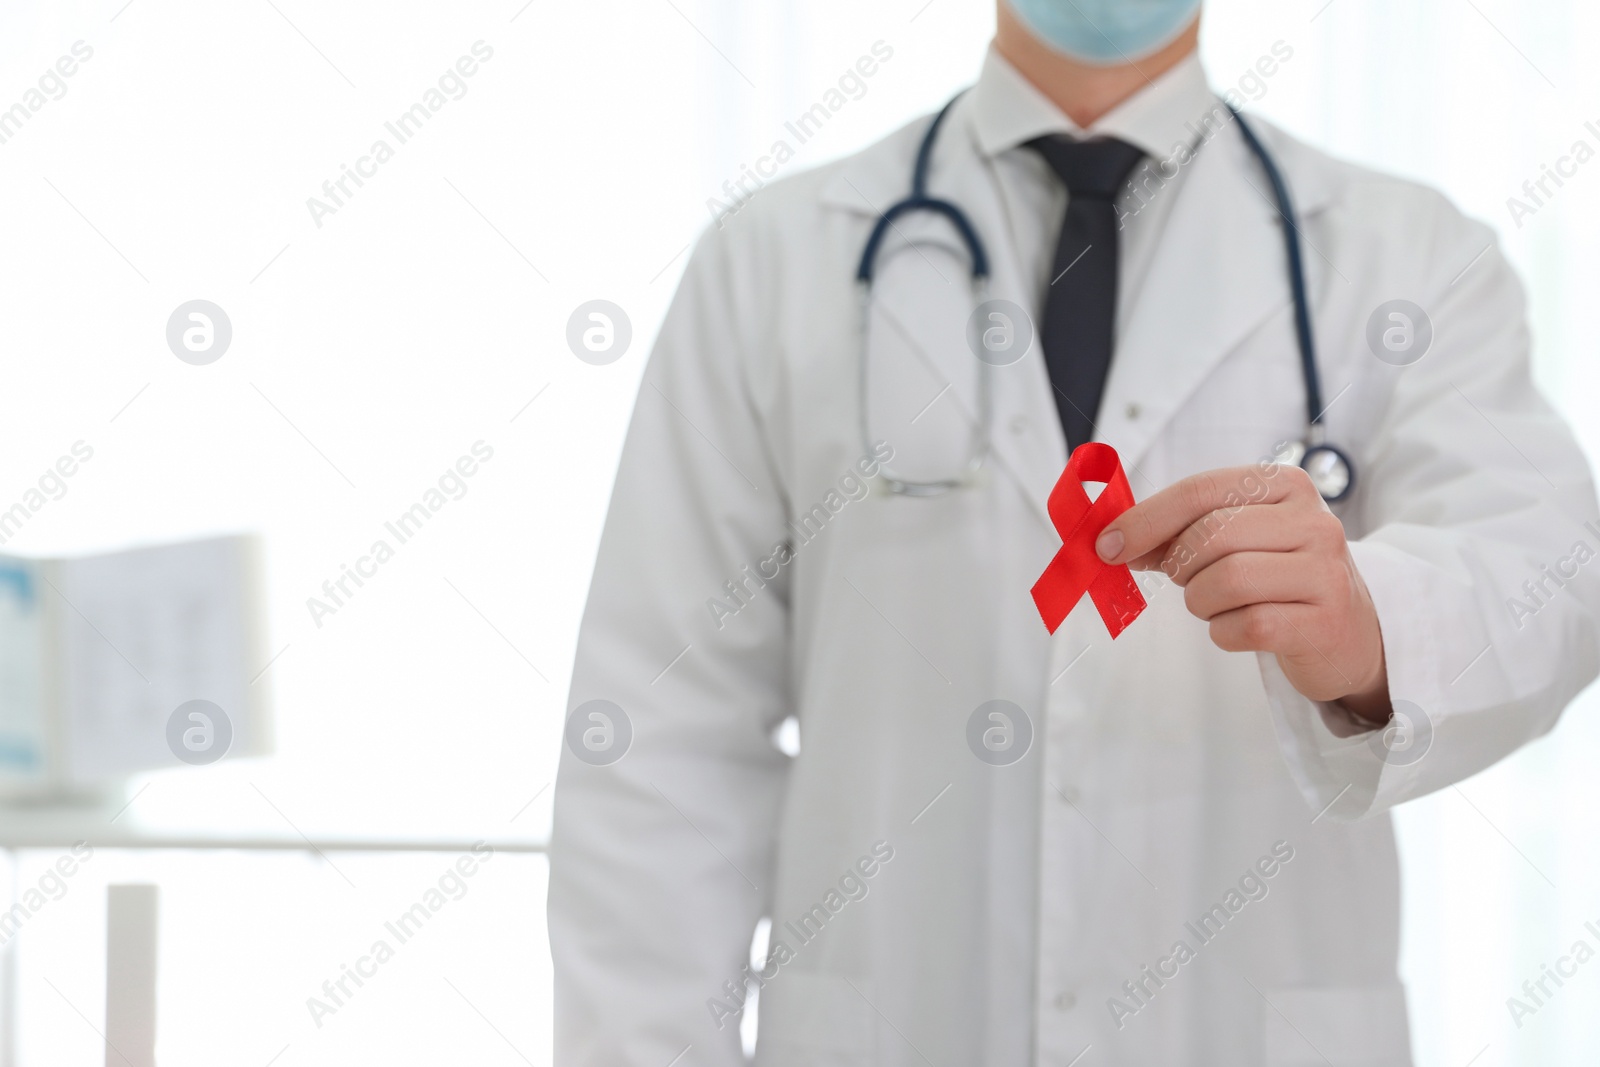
(1297, 273)
(919, 200)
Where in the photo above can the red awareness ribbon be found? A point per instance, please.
(1077, 569)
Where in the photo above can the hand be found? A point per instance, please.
(1262, 559)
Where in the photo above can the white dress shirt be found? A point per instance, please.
(1167, 119)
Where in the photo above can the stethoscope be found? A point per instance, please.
(1330, 468)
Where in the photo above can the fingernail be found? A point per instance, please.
(1109, 544)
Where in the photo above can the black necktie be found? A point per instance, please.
(1081, 304)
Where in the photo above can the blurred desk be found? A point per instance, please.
(132, 932)
(105, 826)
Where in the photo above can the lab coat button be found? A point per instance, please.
(1134, 410)
(1019, 424)
(1066, 1002)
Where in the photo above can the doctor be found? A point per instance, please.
(993, 845)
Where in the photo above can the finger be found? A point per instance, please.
(1252, 528)
(1298, 522)
(1243, 578)
(1155, 522)
(1275, 628)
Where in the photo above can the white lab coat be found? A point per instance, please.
(1019, 899)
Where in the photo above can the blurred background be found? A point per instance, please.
(377, 340)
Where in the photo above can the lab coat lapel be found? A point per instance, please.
(1219, 273)
(1027, 440)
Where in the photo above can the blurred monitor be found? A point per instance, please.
(128, 661)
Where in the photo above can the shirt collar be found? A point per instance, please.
(1008, 111)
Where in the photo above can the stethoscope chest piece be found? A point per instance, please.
(1330, 470)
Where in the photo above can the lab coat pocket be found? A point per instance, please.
(1346, 1026)
(814, 1020)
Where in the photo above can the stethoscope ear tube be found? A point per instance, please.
(919, 200)
(957, 217)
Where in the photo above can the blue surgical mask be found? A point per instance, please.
(1106, 31)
